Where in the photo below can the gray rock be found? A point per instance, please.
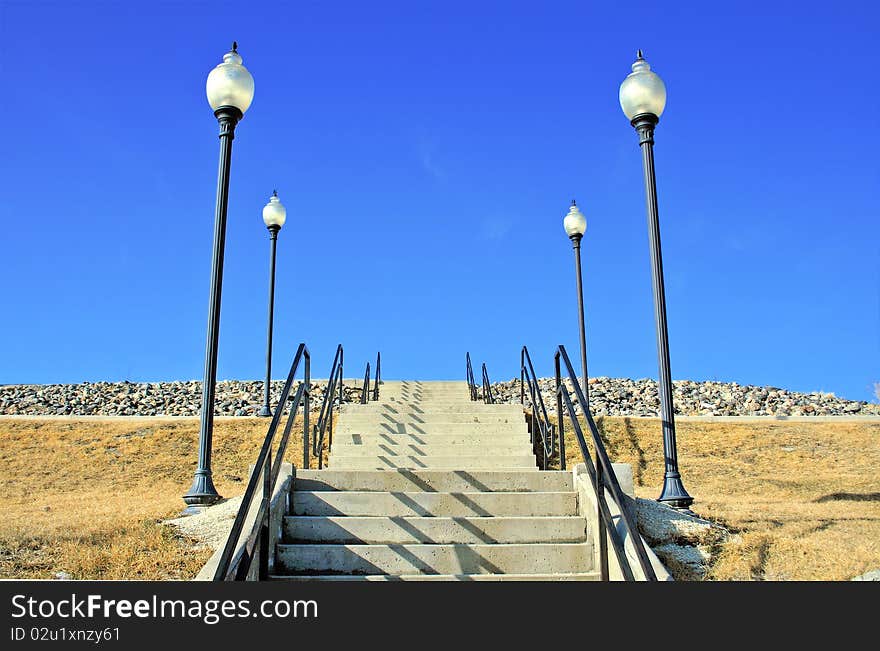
(873, 575)
(609, 397)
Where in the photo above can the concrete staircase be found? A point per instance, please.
(426, 485)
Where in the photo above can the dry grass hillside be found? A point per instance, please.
(87, 496)
(804, 497)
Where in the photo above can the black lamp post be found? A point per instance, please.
(643, 98)
(274, 215)
(575, 226)
(230, 90)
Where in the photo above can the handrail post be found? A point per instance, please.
(365, 390)
(330, 444)
(307, 385)
(544, 454)
(601, 530)
(341, 364)
(534, 424)
(469, 374)
(522, 374)
(378, 375)
(263, 567)
(561, 445)
(559, 420)
(318, 453)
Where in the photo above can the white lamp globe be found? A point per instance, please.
(642, 91)
(575, 223)
(274, 212)
(230, 83)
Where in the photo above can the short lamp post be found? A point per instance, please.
(230, 90)
(643, 98)
(575, 225)
(274, 216)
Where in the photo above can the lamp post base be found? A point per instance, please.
(201, 494)
(265, 412)
(674, 494)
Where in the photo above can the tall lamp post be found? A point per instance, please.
(643, 98)
(230, 90)
(274, 216)
(575, 225)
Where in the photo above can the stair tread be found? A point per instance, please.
(432, 493)
(415, 529)
(427, 558)
(560, 576)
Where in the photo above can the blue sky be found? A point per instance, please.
(426, 153)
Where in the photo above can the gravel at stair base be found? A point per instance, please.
(684, 542)
(210, 527)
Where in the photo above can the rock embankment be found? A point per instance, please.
(233, 398)
(608, 397)
(685, 543)
(625, 397)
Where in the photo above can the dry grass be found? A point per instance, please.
(87, 496)
(804, 497)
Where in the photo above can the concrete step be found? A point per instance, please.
(578, 576)
(434, 559)
(462, 394)
(465, 417)
(381, 462)
(434, 481)
(447, 396)
(440, 404)
(434, 530)
(399, 388)
(467, 438)
(377, 448)
(432, 406)
(528, 469)
(414, 383)
(408, 503)
(431, 429)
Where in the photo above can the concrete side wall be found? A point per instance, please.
(589, 508)
(277, 510)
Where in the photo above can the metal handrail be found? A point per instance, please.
(325, 419)
(228, 568)
(603, 477)
(539, 422)
(488, 398)
(469, 374)
(365, 391)
(378, 375)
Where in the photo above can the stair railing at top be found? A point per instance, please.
(366, 393)
(488, 398)
(602, 476)
(378, 375)
(541, 430)
(469, 374)
(365, 390)
(237, 568)
(333, 394)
